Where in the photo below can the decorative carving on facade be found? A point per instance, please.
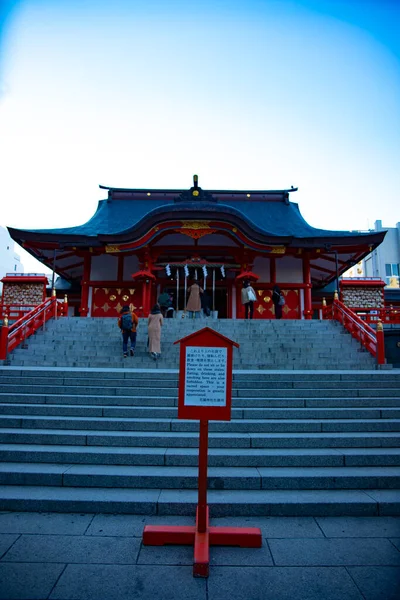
(195, 229)
(195, 225)
(111, 249)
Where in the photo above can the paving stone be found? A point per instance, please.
(241, 557)
(334, 527)
(95, 582)
(6, 541)
(131, 525)
(280, 583)
(20, 581)
(377, 583)
(74, 549)
(396, 542)
(45, 523)
(166, 555)
(334, 552)
(275, 527)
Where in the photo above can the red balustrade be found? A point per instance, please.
(372, 340)
(25, 325)
(373, 315)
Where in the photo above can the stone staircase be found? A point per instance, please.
(269, 344)
(108, 440)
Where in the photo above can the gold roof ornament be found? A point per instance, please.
(323, 301)
(336, 295)
(379, 326)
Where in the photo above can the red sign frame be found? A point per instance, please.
(205, 338)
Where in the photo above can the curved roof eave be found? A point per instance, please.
(263, 222)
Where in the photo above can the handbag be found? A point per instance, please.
(251, 295)
(281, 300)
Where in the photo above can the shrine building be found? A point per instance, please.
(140, 242)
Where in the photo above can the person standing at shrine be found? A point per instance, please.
(278, 301)
(155, 323)
(194, 303)
(248, 299)
(165, 302)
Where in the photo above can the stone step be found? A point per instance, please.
(180, 425)
(272, 377)
(238, 383)
(169, 401)
(186, 439)
(162, 412)
(168, 391)
(217, 457)
(181, 478)
(222, 503)
(250, 383)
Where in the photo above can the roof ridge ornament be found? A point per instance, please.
(195, 193)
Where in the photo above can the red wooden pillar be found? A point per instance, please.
(84, 307)
(307, 290)
(4, 338)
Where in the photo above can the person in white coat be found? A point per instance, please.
(248, 299)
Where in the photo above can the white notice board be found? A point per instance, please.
(205, 376)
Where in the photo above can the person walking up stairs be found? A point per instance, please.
(128, 322)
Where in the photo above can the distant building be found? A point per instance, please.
(10, 261)
(384, 261)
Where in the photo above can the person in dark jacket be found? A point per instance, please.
(205, 303)
(276, 299)
(165, 302)
(128, 322)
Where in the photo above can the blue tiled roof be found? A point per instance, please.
(269, 218)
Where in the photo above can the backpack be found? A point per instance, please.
(126, 322)
(281, 300)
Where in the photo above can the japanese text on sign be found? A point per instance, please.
(205, 380)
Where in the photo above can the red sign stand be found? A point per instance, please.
(203, 405)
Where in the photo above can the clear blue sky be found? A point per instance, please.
(247, 94)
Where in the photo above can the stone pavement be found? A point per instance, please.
(101, 557)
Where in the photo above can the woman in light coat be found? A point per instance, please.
(154, 330)
(194, 303)
(246, 300)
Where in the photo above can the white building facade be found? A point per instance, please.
(384, 261)
(10, 261)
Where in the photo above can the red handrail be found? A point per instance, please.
(372, 340)
(24, 327)
(15, 311)
(373, 315)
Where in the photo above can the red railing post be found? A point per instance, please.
(380, 344)
(4, 338)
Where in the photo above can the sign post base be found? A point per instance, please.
(161, 535)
